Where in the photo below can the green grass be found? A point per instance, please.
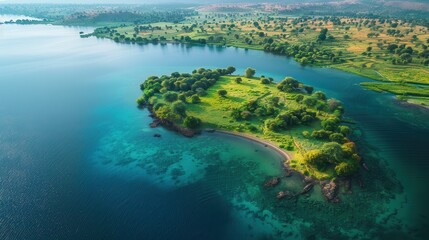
(398, 89)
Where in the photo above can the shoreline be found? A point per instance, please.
(287, 155)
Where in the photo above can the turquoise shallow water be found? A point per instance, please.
(79, 161)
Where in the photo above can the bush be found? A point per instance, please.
(345, 130)
(179, 108)
(238, 80)
(222, 92)
(315, 158)
(321, 134)
(330, 124)
(346, 168)
(309, 89)
(170, 96)
(334, 151)
(265, 81)
(141, 101)
(250, 72)
(336, 137)
(195, 99)
(288, 85)
(182, 97)
(191, 122)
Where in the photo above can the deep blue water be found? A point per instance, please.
(78, 160)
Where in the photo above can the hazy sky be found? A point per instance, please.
(137, 1)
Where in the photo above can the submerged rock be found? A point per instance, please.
(281, 195)
(329, 190)
(157, 135)
(155, 123)
(210, 130)
(273, 182)
(307, 188)
(285, 194)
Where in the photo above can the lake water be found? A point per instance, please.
(79, 161)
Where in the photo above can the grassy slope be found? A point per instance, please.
(214, 111)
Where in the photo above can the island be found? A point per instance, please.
(304, 125)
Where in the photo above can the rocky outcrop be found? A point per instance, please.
(272, 182)
(155, 123)
(285, 194)
(330, 191)
(307, 188)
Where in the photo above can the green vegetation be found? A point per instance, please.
(384, 49)
(390, 45)
(288, 114)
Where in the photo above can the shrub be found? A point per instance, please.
(265, 81)
(346, 168)
(179, 108)
(345, 130)
(170, 96)
(141, 101)
(336, 137)
(182, 97)
(309, 89)
(288, 85)
(195, 99)
(238, 80)
(191, 122)
(250, 72)
(222, 92)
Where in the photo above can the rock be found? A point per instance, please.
(307, 188)
(288, 173)
(365, 166)
(186, 132)
(210, 130)
(285, 194)
(155, 123)
(329, 190)
(157, 135)
(273, 182)
(308, 179)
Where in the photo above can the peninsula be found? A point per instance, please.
(289, 115)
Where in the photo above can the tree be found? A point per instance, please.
(322, 35)
(344, 169)
(230, 70)
(222, 92)
(182, 97)
(179, 108)
(195, 99)
(191, 122)
(334, 152)
(288, 85)
(250, 72)
(336, 137)
(315, 157)
(265, 81)
(345, 130)
(309, 89)
(170, 96)
(330, 124)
